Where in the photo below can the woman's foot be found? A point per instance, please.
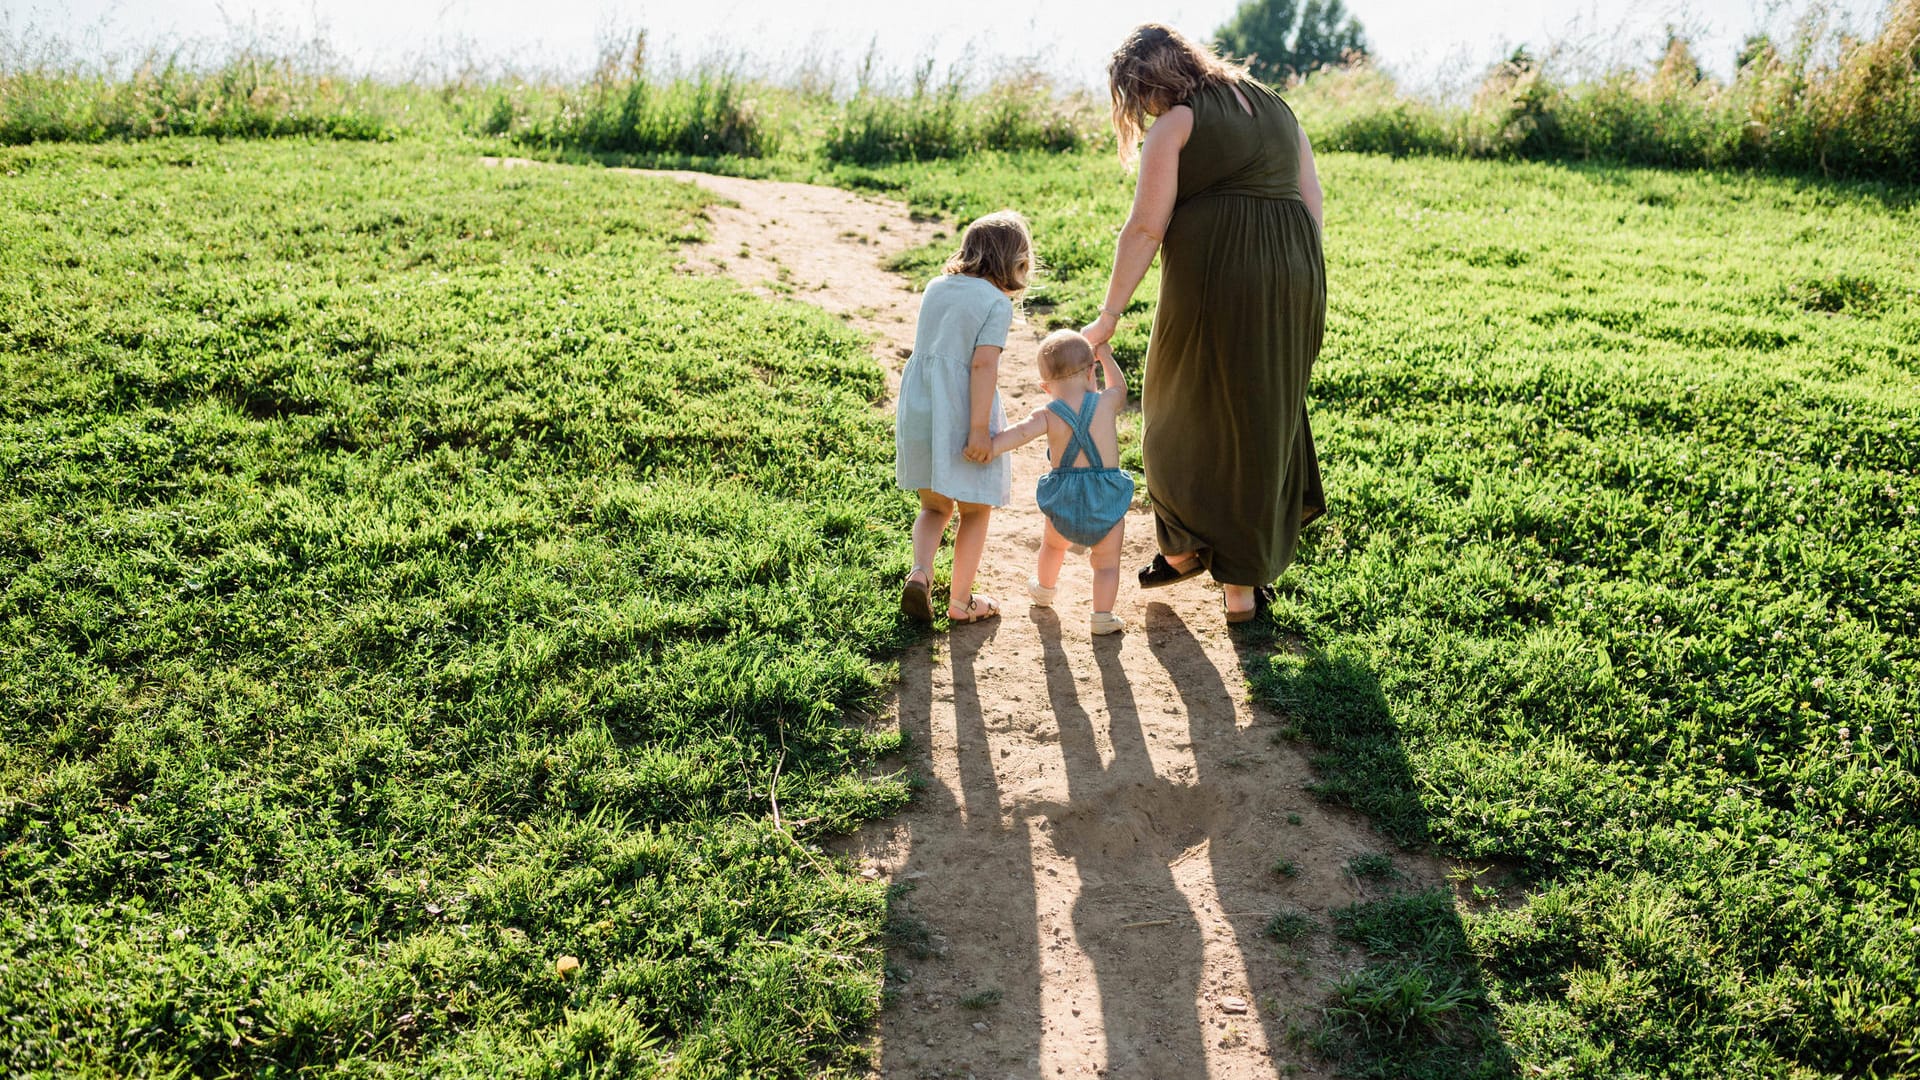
(916, 596)
(978, 607)
(1241, 602)
(1167, 569)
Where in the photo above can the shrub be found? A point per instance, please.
(251, 95)
(927, 123)
(712, 113)
(1856, 114)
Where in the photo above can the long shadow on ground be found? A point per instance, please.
(1418, 1007)
(988, 867)
(1130, 918)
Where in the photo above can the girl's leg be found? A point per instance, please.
(1053, 552)
(935, 511)
(969, 540)
(1105, 560)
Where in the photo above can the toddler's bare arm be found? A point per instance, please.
(1110, 368)
(1021, 433)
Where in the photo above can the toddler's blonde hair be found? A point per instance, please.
(1064, 353)
(999, 248)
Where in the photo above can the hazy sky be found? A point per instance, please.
(1424, 41)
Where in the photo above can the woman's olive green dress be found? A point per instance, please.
(1243, 302)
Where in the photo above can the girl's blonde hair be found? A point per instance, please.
(999, 248)
(1153, 70)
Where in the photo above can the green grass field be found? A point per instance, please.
(411, 581)
(1617, 598)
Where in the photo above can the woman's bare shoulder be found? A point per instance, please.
(1173, 126)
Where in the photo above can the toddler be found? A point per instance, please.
(949, 410)
(1085, 504)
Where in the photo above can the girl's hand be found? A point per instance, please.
(1100, 331)
(979, 449)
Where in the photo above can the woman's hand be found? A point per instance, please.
(1100, 331)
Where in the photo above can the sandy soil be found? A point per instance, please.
(1092, 858)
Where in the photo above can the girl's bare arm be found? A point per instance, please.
(984, 382)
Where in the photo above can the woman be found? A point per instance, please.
(1229, 197)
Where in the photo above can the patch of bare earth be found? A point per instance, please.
(1089, 873)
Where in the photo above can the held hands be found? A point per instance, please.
(1100, 331)
(979, 448)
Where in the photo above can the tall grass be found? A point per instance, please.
(712, 112)
(1820, 103)
(1023, 111)
(257, 90)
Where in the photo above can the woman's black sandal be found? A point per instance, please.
(1160, 573)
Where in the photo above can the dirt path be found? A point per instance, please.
(1091, 862)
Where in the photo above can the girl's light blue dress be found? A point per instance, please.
(957, 313)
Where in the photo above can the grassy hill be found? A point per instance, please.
(410, 586)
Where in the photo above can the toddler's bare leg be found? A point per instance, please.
(969, 540)
(935, 511)
(1053, 552)
(1105, 560)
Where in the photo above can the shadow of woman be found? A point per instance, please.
(1417, 946)
(1129, 917)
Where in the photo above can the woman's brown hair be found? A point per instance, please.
(999, 248)
(1153, 70)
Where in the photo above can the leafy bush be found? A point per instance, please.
(935, 122)
(711, 114)
(251, 95)
(1856, 114)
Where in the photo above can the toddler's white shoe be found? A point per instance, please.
(1106, 622)
(1042, 596)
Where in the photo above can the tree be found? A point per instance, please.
(1678, 67)
(1280, 40)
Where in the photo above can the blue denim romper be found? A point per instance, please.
(1083, 502)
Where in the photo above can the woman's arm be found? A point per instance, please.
(1021, 433)
(1146, 226)
(982, 385)
(1310, 184)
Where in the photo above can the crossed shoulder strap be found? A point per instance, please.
(1082, 440)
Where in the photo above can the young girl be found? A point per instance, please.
(1085, 504)
(949, 409)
